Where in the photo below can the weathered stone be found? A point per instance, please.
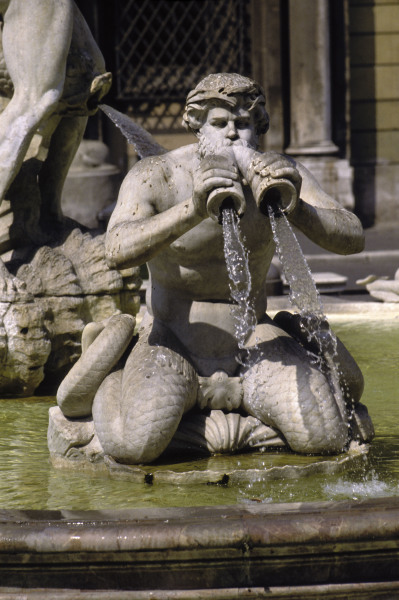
(218, 432)
(24, 349)
(52, 264)
(74, 445)
(73, 439)
(191, 355)
(64, 319)
(344, 549)
(362, 424)
(86, 253)
(50, 273)
(71, 285)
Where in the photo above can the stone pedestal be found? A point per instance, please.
(92, 184)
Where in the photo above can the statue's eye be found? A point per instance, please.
(242, 124)
(220, 123)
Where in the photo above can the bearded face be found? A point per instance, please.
(226, 127)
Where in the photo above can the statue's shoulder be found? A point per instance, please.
(158, 164)
(184, 157)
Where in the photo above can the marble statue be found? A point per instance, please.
(51, 93)
(382, 288)
(176, 383)
(53, 274)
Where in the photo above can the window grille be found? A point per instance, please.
(164, 47)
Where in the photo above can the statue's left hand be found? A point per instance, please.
(277, 166)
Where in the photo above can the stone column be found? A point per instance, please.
(310, 79)
(266, 50)
(310, 99)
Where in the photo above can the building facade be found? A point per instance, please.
(330, 70)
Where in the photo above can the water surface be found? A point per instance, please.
(27, 479)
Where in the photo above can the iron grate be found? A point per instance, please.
(164, 47)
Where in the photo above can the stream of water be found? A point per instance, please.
(29, 481)
(236, 257)
(305, 296)
(142, 141)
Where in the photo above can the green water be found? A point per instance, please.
(27, 479)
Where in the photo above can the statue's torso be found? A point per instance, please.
(189, 279)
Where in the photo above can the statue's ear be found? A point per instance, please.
(193, 118)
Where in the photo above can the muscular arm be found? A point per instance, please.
(159, 201)
(137, 231)
(323, 220)
(316, 214)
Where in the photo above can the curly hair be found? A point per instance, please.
(221, 89)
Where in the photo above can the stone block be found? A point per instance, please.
(73, 439)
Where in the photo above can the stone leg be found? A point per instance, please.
(137, 411)
(35, 48)
(103, 345)
(351, 378)
(283, 389)
(63, 146)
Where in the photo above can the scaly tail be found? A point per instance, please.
(76, 392)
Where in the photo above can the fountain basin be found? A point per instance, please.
(29, 480)
(311, 550)
(336, 537)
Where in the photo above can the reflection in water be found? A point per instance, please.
(27, 480)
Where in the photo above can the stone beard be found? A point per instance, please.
(208, 148)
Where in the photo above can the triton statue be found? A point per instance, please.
(164, 388)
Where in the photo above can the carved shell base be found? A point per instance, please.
(74, 445)
(220, 433)
(213, 433)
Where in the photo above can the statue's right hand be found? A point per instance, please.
(213, 172)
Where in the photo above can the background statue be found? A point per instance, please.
(382, 288)
(53, 75)
(53, 276)
(165, 388)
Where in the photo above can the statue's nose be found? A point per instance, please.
(232, 132)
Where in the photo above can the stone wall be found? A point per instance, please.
(374, 85)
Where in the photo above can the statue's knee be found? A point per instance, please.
(136, 453)
(90, 332)
(48, 101)
(331, 440)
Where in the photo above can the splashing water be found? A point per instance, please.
(370, 487)
(236, 257)
(305, 296)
